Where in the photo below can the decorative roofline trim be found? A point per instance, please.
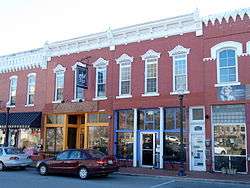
(59, 67)
(151, 54)
(100, 62)
(124, 58)
(178, 50)
(226, 16)
(226, 44)
(77, 64)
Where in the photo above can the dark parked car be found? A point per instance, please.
(83, 163)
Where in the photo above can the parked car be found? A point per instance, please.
(11, 157)
(83, 163)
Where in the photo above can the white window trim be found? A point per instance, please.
(124, 61)
(57, 69)
(219, 83)
(179, 50)
(248, 47)
(74, 69)
(149, 55)
(100, 64)
(27, 96)
(8, 103)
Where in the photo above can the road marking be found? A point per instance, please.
(161, 184)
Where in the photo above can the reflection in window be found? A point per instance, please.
(55, 119)
(149, 119)
(172, 121)
(125, 145)
(171, 147)
(54, 139)
(98, 138)
(126, 120)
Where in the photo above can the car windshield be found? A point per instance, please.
(96, 154)
(13, 151)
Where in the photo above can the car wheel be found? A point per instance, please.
(43, 170)
(2, 167)
(83, 173)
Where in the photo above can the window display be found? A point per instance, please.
(98, 138)
(54, 137)
(125, 145)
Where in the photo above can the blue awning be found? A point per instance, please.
(22, 120)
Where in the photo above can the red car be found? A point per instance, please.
(83, 163)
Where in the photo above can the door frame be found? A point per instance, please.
(193, 123)
(154, 147)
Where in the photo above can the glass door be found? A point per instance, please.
(148, 149)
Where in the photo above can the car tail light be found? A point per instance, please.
(101, 162)
(14, 158)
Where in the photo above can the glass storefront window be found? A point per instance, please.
(149, 119)
(98, 138)
(82, 119)
(2, 137)
(72, 119)
(98, 118)
(125, 145)
(126, 120)
(29, 138)
(172, 118)
(54, 139)
(55, 119)
(171, 147)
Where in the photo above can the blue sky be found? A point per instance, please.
(27, 24)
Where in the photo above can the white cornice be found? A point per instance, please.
(124, 58)
(100, 62)
(151, 54)
(136, 33)
(226, 15)
(36, 58)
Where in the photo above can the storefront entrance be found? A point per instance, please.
(72, 134)
(148, 149)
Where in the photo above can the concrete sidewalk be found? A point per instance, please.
(204, 176)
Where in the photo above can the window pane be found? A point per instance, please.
(31, 99)
(55, 119)
(103, 118)
(149, 119)
(92, 118)
(125, 145)
(151, 85)
(79, 93)
(125, 73)
(180, 67)
(98, 138)
(180, 82)
(75, 155)
(101, 90)
(54, 139)
(151, 70)
(125, 87)
(126, 120)
(197, 114)
(227, 64)
(72, 119)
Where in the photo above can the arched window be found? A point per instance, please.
(227, 66)
(31, 89)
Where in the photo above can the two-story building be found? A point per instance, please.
(128, 105)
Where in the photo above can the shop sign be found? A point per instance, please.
(82, 77)
(231, 93)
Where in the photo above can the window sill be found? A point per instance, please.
(177, 93)
(227, 84)
(123, 96)
(150, 94)
(99, 98)
(11, 106)
(29, 105)
(56, 102)
(77, 100)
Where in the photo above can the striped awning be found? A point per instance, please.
(21, 120)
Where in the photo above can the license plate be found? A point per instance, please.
(110, 162)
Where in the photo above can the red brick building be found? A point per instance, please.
(130, 107)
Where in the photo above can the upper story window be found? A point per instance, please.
(101, 76)
(227, 64)
(125, 75)
(180, 78)
(31, 88)
(59, 82)
(80, 72)
(13, 88)
(151, 73)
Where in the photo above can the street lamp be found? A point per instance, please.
(181, 171)
(6, 140)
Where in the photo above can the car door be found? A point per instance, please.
(56, 165)
(72, 163)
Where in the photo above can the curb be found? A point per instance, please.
(186, 178)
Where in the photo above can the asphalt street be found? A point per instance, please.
(31, 179)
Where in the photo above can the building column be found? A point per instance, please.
(135, 139)
(161, 136)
